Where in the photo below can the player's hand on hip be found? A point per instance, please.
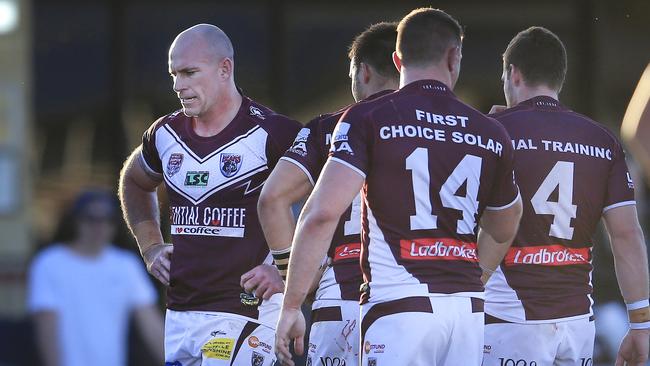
(158, 260)
(264, 279)
(634, 348)
(291, 327)
(497, 109)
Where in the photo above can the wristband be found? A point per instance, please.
(637, 305)
(281, 260)
(644, 325)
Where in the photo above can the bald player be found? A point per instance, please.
(213, 156)
(572, 173)
(432, 171)
(334, 337)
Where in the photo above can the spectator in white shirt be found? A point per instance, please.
(82, 292)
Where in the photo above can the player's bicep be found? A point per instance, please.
(287, 183)
(137, 172)
(336, 188)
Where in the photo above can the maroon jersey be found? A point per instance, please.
(213, 184)
(342, 279)
(570, 170)
(432, 165)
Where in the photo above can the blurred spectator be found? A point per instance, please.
(83, 290)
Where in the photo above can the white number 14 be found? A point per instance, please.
(468, 170)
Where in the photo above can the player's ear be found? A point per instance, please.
(454, 54)
(226, 68)
(515, 75)
(365, 71)
(397, 61)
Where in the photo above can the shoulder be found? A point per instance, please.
(363, 109)
(173, 119)
(595, 127)
(278, 126)
(269, 119)
(50, 256)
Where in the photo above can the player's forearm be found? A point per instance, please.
(631, 263)
(278, 222)
(140, 210)
(490, 253)
(309, 248)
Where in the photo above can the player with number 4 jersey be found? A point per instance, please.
(431, 169)
(571, 172)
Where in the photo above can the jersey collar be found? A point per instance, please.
(427, 85)
(543, 102)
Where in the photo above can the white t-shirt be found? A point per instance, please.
(93, 299)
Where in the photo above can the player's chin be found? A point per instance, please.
(190, 111)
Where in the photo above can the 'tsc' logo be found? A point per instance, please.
(197, 179)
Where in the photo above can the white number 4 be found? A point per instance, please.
(560, 177)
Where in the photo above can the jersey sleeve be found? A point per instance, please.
(149, 156)
(305, 152)
(282, 132)
(620, 187)
(142, 292)
(350, 141)
(41, 291)
(505, 191)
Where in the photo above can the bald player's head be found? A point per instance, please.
(209, 38)
(202, 68)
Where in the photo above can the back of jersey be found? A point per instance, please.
(570, 170)
(432, 165)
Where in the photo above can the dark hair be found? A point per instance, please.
(425, 34)
(375, 47)
(66, 230)
(540, 56)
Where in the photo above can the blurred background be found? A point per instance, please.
(81, 80)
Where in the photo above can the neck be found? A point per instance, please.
(526, 93)
(387, 84)
(433, 72)
(220, 115)
(85, 249)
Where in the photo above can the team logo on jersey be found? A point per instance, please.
(372, 361)
(174, 163)
(300, 143)
(257, 359)
(256, 112)
(230, 164)
(197, 179)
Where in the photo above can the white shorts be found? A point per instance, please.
(426, 331)
(195, 338)
(563, 343)
(334, 336)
